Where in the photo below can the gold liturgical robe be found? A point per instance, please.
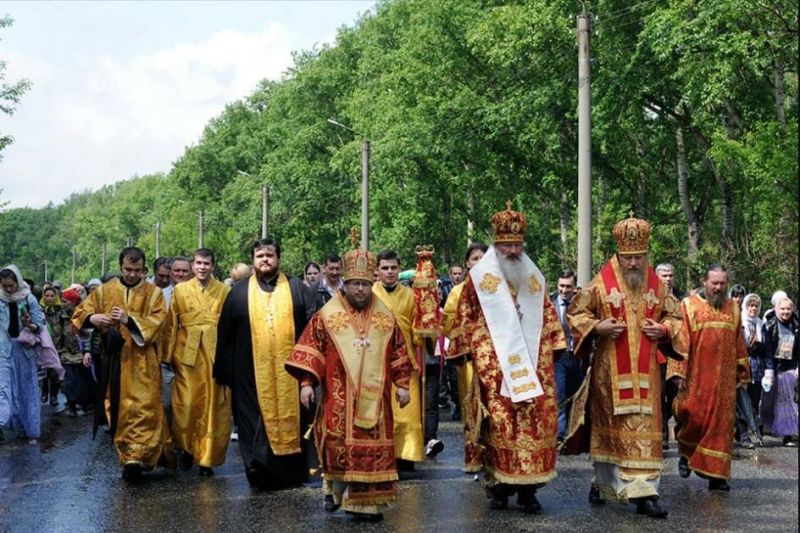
(201, 409)
(465, 374)
(142, 435)
(408, 434)
(625, 383)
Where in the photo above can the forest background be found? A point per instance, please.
(467, 104)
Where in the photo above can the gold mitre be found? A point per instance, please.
(358, 264)
(632, 235)
(508, 225)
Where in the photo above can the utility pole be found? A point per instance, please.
(365, 151)
(200, 222)
(584, 152)
(264, 211)
(45, 269)
(158, 240)
(130, 242)
(73, 267)
(365, 195)
(103, 261)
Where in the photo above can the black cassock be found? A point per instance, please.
(233, 367)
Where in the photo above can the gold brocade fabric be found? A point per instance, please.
(142, 434)
(465, 375)
(272, 333)
(514, 443)
(408, 433)
(356, 335)
(350, 453)
(632, 440)
(201, 409)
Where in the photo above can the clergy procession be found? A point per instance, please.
(336, 380)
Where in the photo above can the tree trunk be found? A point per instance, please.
(779, 98)
(638, 200)
(470, 215)
(692, 221)
(447, 231)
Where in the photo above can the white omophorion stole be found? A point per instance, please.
(516, 338)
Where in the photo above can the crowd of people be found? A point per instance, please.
(343, 369)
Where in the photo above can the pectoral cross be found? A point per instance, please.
(362, 344)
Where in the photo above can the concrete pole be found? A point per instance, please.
(158, 239)
(264, 211)
(103, 261)
(365, 195)
(130, 242)
(200, 222)
(584, 153)
(73, 267)
(45, 269)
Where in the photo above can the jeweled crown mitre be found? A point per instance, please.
(632, 235)
(508, 225)
(358, 264)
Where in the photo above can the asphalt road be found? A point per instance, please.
(68, 482)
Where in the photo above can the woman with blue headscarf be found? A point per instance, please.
(20, 317)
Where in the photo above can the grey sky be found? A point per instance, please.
(120, 88)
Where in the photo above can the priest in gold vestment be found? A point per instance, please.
(409, 437)
(201, 408)
(261, 319)
(628, 314)
(354, 351)
(129, 312)
(506, 324)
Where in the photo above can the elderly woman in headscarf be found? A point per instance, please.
(19, 391)
(778, 408)
(757, 351)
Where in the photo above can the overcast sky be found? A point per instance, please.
(121, 88)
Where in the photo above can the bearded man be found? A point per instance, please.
(354, 349)
(507, 326)
(261, 319)
(628, 314)
(712, 337)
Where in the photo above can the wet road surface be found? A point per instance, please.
(68, 482)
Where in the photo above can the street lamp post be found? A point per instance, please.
(365, 158)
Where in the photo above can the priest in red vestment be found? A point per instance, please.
(717, 364)
(623, 318)
(508, 327)
(355, 351)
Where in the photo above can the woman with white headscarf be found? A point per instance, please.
(20, 410)
(757, 351)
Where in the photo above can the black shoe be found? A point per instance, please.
(594, 495)
(365, 517)
(499, 499)
(527, 499)
(186, 461)
(649, 507)
(254, 478)
(683, 467)
(206, 471)
(718, 484)
(132, 472)
(329, 505)
(404, 465)
(790, 442)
